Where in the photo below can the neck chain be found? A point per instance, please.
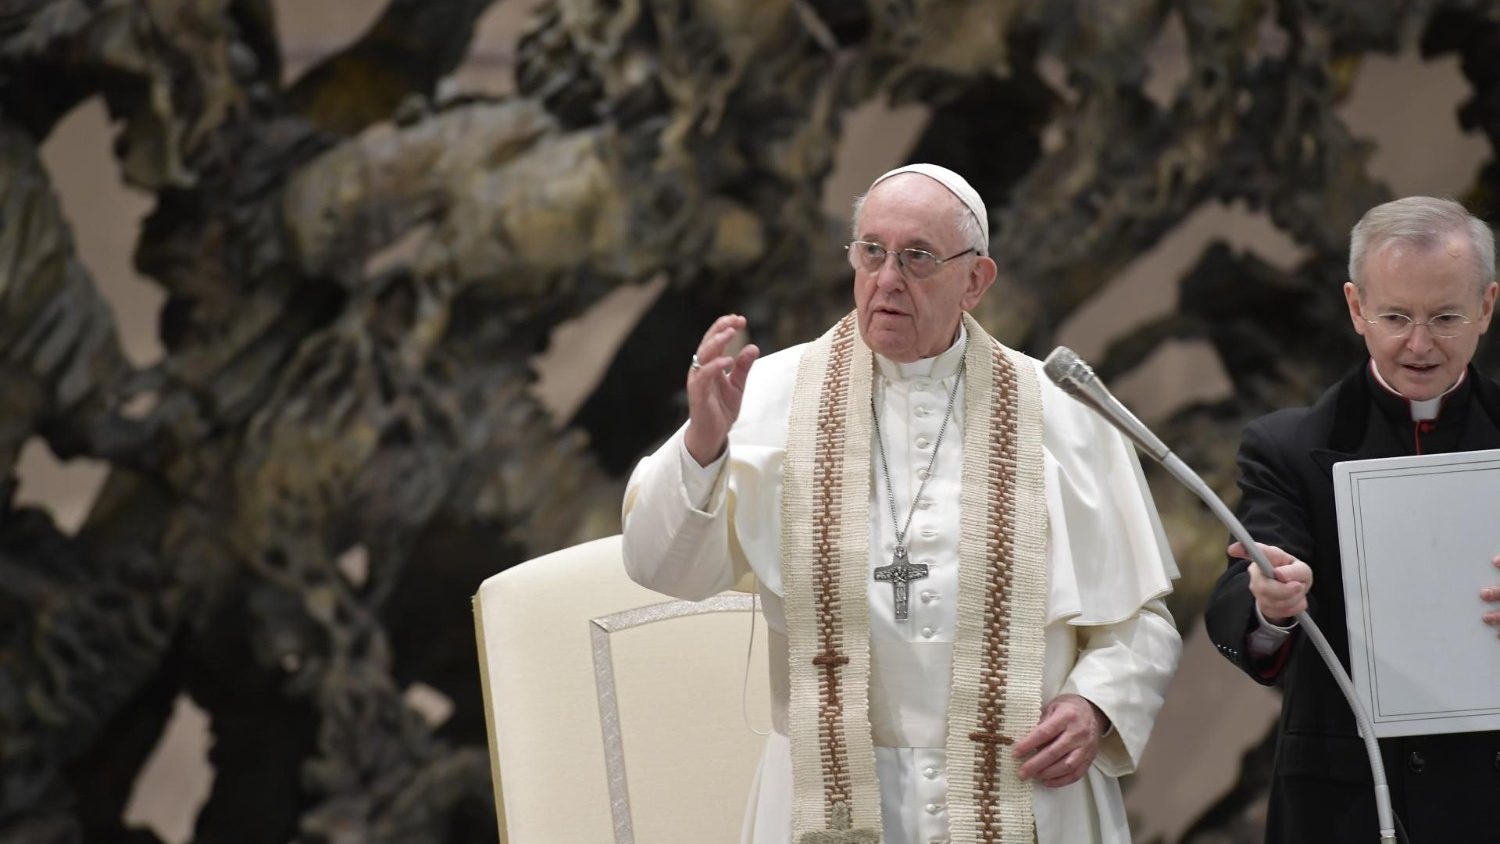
(900, 571)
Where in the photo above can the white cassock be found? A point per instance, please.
(691, 532)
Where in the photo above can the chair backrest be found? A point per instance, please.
(614, 712)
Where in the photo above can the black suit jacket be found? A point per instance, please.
(1443, 787)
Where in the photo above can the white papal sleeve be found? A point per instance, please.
(670, 545)
(1124, 669)
(1111, 568)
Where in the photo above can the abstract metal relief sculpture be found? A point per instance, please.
(358, 271)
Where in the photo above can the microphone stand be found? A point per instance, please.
(1069, 372)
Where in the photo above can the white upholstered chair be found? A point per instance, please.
(614, 712)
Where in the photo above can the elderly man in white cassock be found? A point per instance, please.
(961, 568)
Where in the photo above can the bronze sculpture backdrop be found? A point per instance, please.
(356, 274)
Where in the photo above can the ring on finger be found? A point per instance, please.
(697, 365)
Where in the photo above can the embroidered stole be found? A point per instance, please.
(995, 697)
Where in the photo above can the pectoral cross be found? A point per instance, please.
(899, 573)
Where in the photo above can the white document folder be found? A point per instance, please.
(1416, 536)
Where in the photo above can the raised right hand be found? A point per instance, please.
(715, 389)
(1284, 597)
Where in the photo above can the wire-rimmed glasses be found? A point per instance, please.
(916, 264)
(1442, 326)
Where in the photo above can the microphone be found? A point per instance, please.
(1076, 378)
(1068, 371)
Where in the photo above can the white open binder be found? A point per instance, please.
(1416, 536)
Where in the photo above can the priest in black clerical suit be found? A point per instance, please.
(1422, 292)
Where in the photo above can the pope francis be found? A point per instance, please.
(961, 568)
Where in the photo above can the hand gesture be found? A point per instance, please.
(715, 385)
(1284, 597)
(1063, 743)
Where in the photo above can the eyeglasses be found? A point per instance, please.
(916, 264)
(1444, 326)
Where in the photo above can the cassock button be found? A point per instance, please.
(921, 383)
(928, 596)
(1416, 762)
(929, 532)
(923, 474)
(928, 632)
(934, 808)
(923, 442)
(923, 410)
(924, 503)
(930, 772)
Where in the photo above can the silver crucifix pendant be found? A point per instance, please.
(899, 573)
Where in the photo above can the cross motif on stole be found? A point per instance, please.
(841, 832)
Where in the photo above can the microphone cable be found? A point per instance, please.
(1069, 372)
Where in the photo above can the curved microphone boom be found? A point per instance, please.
(1068, 371)
(1078, 380)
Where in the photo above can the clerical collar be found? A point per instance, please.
(1423, 410)
(938, 368)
